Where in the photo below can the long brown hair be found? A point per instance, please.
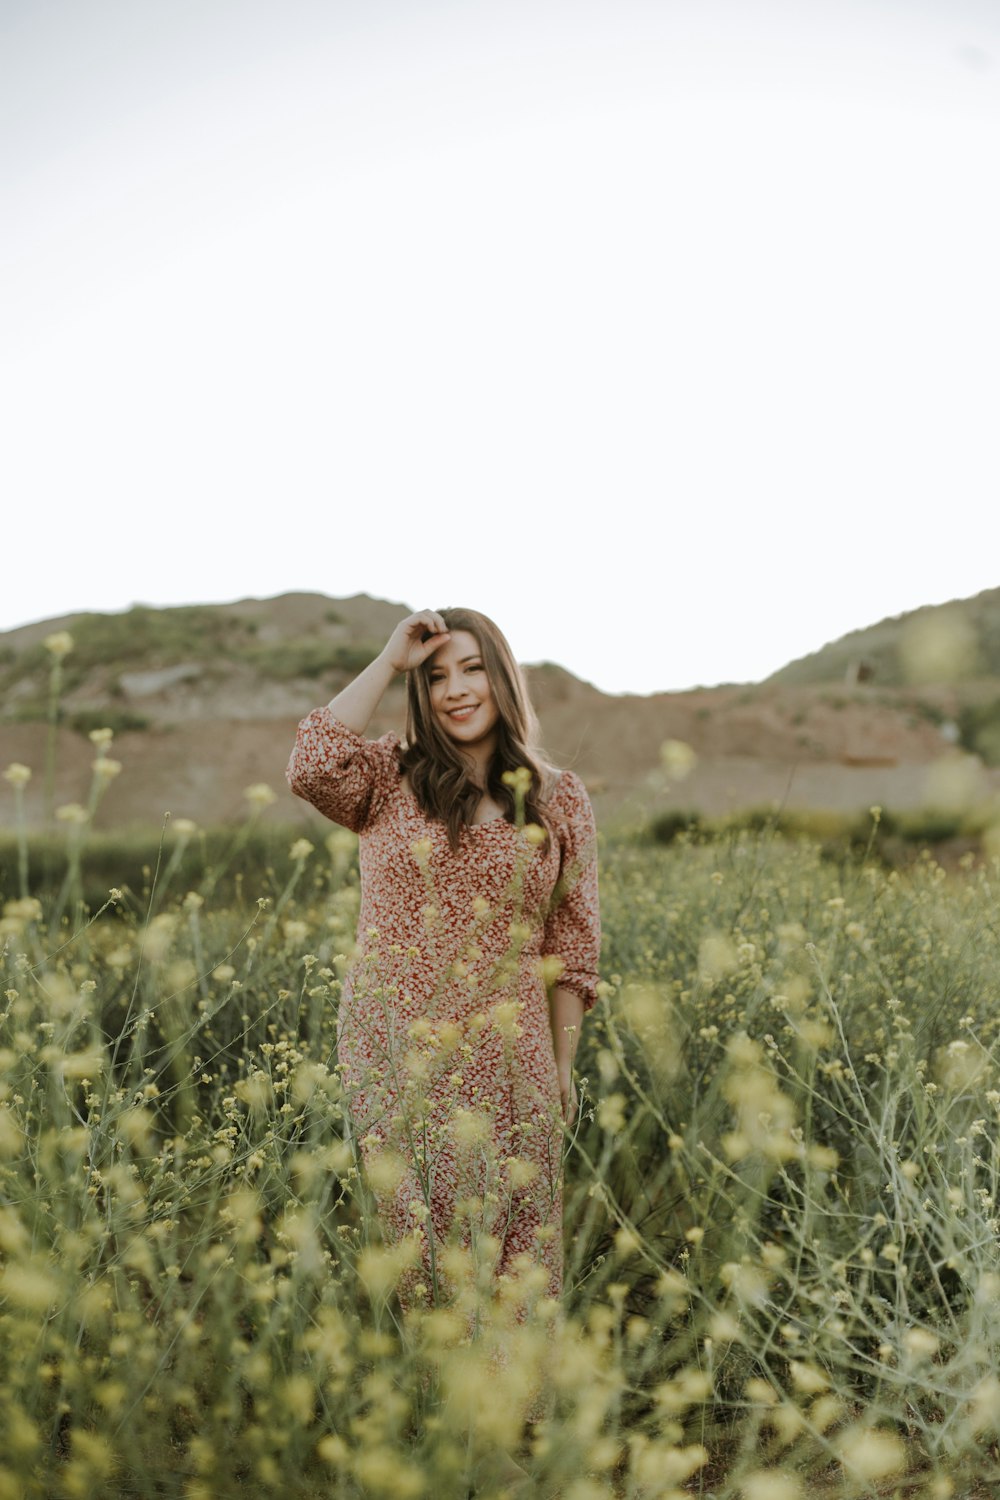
(438, 773)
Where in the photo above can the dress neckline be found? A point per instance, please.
(408, 792)
(485, 823)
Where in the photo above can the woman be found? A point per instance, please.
(478, 943)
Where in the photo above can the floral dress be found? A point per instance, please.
(443, 1035)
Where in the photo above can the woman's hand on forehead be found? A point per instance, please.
(414, 639)
(435, 625)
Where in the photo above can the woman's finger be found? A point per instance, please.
(428, 623)
(428, 647)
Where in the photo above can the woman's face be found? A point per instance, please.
(460, 693)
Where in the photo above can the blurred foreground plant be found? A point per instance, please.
(781, 1217)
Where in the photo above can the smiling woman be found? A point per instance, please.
(470, 723)
(478, 942)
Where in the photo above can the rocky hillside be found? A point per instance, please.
(204, 702)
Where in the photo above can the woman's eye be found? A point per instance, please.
(475, 666)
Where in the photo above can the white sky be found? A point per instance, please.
(666, 333)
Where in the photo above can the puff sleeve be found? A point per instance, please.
(345, 776)
(573, 925)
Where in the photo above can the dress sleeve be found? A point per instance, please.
(345, 776)
(573, 925)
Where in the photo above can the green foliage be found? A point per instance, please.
(894, 839)
(667, 826)
(286, 660)
(833, 832)
(979, 730)
(118, 720)
(930, 826)
(147, 638)
(229, 860)
(924, 709)
(141, 636)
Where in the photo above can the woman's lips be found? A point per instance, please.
(461, 714)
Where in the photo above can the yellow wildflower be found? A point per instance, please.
(677, 759)
(59, 644)
(770, 1484)
(73, 813)
(868, 1453)
(260, 795)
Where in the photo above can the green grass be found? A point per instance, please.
(895, 840)
(229, 861)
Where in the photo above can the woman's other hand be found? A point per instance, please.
(414, 639)
(565, 1015)
(567, 1095)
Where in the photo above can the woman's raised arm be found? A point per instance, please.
(411, 643)
(332, 765)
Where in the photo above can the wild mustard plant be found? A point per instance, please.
(59, 644)
(781, 1214)
(18, 776)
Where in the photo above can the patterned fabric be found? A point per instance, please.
(443, 1032)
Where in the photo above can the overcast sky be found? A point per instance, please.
(667, 332)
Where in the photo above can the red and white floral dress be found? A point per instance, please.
(444, 1038)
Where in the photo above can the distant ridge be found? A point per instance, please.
(940, 644)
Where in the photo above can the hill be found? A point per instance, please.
(946, 644)
(232, 660)
(204, 701)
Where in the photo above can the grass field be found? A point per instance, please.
(781, 1222)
